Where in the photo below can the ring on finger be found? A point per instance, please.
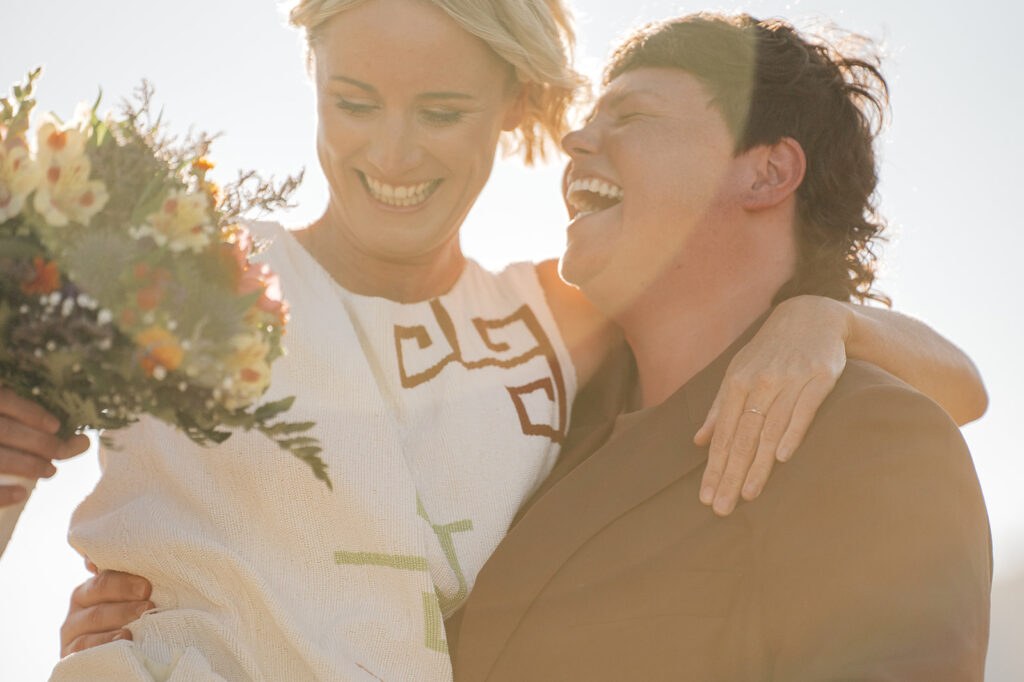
(754, 410)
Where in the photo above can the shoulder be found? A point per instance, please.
(869, 404)
(878, 450)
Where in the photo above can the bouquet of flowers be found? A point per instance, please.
(126, 286)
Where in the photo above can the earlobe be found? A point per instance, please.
(777, 172)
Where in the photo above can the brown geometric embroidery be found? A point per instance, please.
(543, 347)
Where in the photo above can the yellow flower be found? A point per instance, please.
(182, 223)
(248, 371)
(66, 193)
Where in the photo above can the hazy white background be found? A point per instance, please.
(950, 186)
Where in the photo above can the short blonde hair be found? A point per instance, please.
(534, 36)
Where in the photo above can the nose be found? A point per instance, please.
(580, 142)
(395, 148)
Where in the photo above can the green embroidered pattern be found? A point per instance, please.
(444, 536)
(434, 624)
(400, 561)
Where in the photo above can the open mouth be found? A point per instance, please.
(399, 196)
(589, 195)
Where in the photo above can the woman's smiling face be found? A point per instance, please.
(410, 109)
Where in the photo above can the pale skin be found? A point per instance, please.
(427, 120)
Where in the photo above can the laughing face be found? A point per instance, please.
(650, 171)
(410, 109)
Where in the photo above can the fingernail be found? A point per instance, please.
(783, 454)
(722, 506)
(50, 471)
(142, 609)
(139, 590)
(51, 424)
(120, 635)
(749, 492)
(707, 494)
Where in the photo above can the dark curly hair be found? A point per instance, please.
(770, 82)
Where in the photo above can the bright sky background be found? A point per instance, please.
(950, 175)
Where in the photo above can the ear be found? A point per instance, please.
(516, 107)
(774, 174)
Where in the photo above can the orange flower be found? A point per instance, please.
(158, 348)
(202, 164)
(214, 191)
(45, 279)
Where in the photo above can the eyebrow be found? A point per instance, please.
(617, 98)
(425, 95)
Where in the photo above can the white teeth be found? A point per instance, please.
(605, 189)
(400, 195)
(584, 203)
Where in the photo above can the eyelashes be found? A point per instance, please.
(431, 116)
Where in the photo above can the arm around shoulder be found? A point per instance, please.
(877, 560)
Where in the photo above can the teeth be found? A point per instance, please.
(584, 203)
(400, 195)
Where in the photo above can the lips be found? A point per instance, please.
(589, 195)
(399, 196)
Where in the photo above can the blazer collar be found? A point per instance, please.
(632, 466)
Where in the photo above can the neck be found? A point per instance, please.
(407, 280)
(672, 346)
(686, 319)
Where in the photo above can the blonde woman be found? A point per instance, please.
(441, 391)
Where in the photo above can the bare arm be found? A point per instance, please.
(916, 353)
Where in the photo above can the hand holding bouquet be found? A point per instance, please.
(126, 286)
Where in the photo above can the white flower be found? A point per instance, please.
(19, 175)
(66, 193)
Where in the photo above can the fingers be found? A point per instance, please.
(91, 567)
(97, 623)
(100, 609)
(75, 445)
(21, 464)
(16, 435)
(733, 445)
(775, 424)
(11, 495)
(111, 586)
(83, 642)
(726, 416)
(804, 409)
(739, 459)
(27, 412)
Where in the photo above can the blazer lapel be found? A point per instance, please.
(632, 466)
(614, 479)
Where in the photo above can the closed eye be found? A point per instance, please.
(628, 116)
(442, 116)
(355, 108)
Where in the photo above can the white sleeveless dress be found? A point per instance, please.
(437, 418)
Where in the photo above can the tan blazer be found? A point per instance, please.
(868, 556)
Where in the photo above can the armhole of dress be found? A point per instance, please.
(523, 276)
